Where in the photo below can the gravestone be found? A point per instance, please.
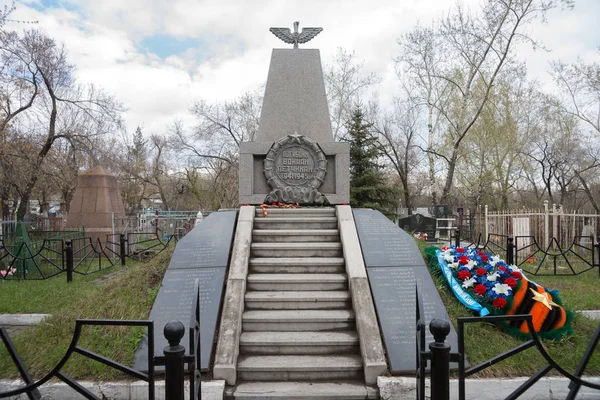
(293, 158)
(96, 200)
(201, 254)
(394, 266)
(441, 211)
(418, 223)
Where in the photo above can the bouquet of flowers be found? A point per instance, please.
(8, 272)
(487, 285)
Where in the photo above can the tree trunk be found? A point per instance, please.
(430, 156)
(449, 177)
(588, 192)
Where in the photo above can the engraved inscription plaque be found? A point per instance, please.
(394, 295)
(295, 165)
(383, 243)
(207, 245)
(295, 168)
(394, 265)
(174, 302)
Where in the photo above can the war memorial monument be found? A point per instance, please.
(316, 299)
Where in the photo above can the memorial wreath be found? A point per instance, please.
(484, 283)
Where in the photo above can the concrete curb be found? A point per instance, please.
(22, 319)
(550, 388)
(390, 388)
(371, 346)
(591, 314)
(228, 342)
(138, 390)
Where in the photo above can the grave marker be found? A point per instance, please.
(418, 223)
(202, 254)
(394, 265)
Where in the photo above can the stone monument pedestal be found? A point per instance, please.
(295, 107)
(253, 184)
(96, 199)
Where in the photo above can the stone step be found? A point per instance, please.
(297, 265)
(294, 282)
(340, 390)
(295, 223)
(299, 367)
(298, 300)
(297, 320)
(306, 249)
(299, 342)
(321, 211)
(295, 235)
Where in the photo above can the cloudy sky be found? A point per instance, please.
(157, 56)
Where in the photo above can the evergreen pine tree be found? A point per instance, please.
(368, 186)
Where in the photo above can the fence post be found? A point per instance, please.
(546, 225)
(440, 360)
(174, 352)
(510, 250)
(122, 248)
(69, 259)
(457, 238)
(597, 257)
(487, 223)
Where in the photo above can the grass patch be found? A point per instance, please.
(484, 341)
(128, 295)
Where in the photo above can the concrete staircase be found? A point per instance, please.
(298, 337)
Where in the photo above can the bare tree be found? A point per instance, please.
(579, 85)
(397, 133)
(466, 55)
(211, 150)
(345, 84)
(51, 107)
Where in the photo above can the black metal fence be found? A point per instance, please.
(31, 388)
(79, 255)
(582, 255)
(439, 356)
(174, 358)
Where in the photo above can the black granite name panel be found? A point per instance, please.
(201, 254)
(394, 266)
(207, 245)
(395, 302)
(174, 302)
(383, 243)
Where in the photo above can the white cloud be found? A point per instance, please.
(104, 42)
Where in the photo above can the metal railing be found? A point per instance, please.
(31, 388)
(175, 357)
(527, 254)
(440, 357)
(78, 255)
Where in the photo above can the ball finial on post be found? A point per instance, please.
(439, 328)
(173, 332)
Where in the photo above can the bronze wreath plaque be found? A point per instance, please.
(295, 167)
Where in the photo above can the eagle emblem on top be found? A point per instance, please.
(296, 37)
